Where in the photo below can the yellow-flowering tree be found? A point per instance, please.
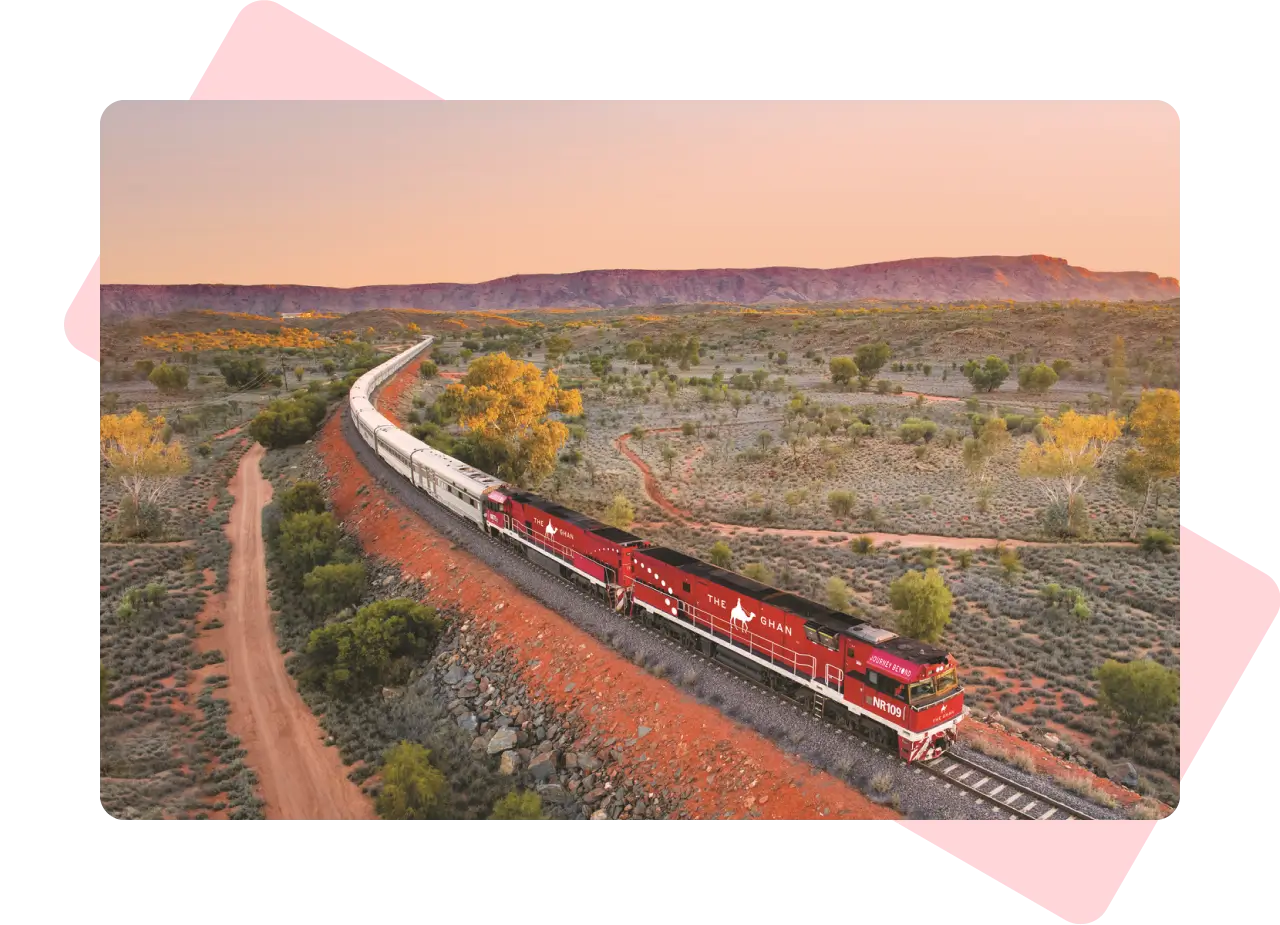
(1073, 449)
(137, 456)
(504, 403)
(1156, 421)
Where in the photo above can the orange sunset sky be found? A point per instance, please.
(349, 194)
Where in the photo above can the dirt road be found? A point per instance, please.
(300, 777)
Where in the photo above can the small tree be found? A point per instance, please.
(721, 555)
(1010, 561)
(986, 376)
(1139, 692)
(668, 458)
(412, 787)
(841, 502)
(428, 369)
(1073, 449)
(870, 358)
(169, 379)
(923, 602)
(1117, 372)
(978, 452)
(838, 595)
(1036, 379)
(136, 455)
(1156, 461)
(620, 513)
(521, 804)
(843, 370)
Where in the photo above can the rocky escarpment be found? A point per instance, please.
(929, 279)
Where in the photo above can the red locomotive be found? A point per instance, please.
(900, 691)
(584, 550)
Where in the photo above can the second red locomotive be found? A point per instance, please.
(902, 692)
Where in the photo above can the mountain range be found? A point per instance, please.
(1030, 278)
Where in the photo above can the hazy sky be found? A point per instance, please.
(348, 194)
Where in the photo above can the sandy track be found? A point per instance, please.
(300, 777)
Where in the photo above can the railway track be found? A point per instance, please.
(1005, 796)
(1001, 792)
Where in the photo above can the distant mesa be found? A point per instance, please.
(1031, 278)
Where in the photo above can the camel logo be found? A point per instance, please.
(738, 615)
(551, 529)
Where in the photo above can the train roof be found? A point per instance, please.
(613, 534)
(913, 650)
(811, 610)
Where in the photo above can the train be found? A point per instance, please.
(901, 693)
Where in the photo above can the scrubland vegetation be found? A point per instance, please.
(847, 425)
(1049, 423)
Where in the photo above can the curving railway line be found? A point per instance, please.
(997, 794)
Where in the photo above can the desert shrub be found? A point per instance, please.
(862, 545)
(1138, 693)
(334, 587)
(301, 497)
(915, 430)
(1157, 541)
(986, 376)
(758, 571)
(620, 513)
(377, 646)
(140, 600)
(169, 379)
(721, 555)
(428, 369)
(843, 370)
(1010, 561)
(412, 787)
(964, 558)
(306, 540)
(138, 521)
(521, 804)
(883, 386)
(838, 594)
(1036, 379)
(841, 502)
(1068, 519)
(688, 428)
(241, 372)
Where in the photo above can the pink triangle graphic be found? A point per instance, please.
(1229, 609)
(82, 314)
(273, 54)
(1073, 869)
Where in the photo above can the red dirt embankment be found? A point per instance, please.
(299, 776)
(717, 767)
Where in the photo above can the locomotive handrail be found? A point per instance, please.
(759, 644)
(559, 549)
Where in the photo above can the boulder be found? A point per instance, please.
(468, 722)
(455, 674)
(502, 740)
(543, 767)
(509, 764)
(553, 793)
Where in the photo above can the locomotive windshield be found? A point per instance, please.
(932, 688)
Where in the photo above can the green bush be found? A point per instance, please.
(334, 587)
(522, 804)
(377, 646)
(302, 497)
(412, 787)
(914, 430)
(1157, 541)
(862, 545)
(306, 540)
(923, 602)
(288, 421)
(721, 555)
(841, 502)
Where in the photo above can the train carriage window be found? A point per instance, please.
(685, 585)
(811, 632)
(828, 639)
